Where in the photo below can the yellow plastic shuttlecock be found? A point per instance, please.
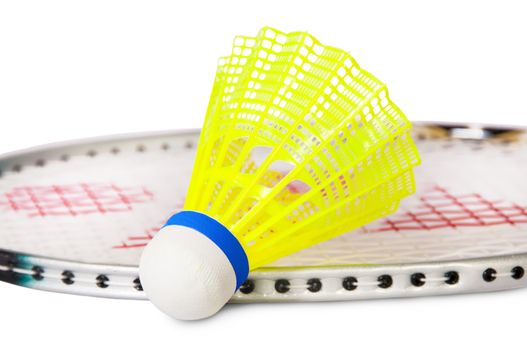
(299, 145)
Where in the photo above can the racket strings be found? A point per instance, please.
(405, 241)
(441, 279)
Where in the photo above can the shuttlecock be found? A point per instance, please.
(299, 145)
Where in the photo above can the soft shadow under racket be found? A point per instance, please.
(74, 218)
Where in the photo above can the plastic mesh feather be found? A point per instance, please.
(299, 145)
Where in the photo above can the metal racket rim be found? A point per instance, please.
(282, 284)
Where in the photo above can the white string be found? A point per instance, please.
(502, 274)
(433, 279)
(359, 284)
(298, 286)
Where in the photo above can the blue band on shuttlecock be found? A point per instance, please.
(220, 235)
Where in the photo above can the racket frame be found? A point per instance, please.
(274, 284)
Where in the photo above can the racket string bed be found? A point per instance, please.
(497, 246)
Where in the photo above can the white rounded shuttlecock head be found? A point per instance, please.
(185, 273)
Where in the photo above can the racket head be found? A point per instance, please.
(75, 216)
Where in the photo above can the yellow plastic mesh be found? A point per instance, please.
(299, 145)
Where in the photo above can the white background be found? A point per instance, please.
(71, 69)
